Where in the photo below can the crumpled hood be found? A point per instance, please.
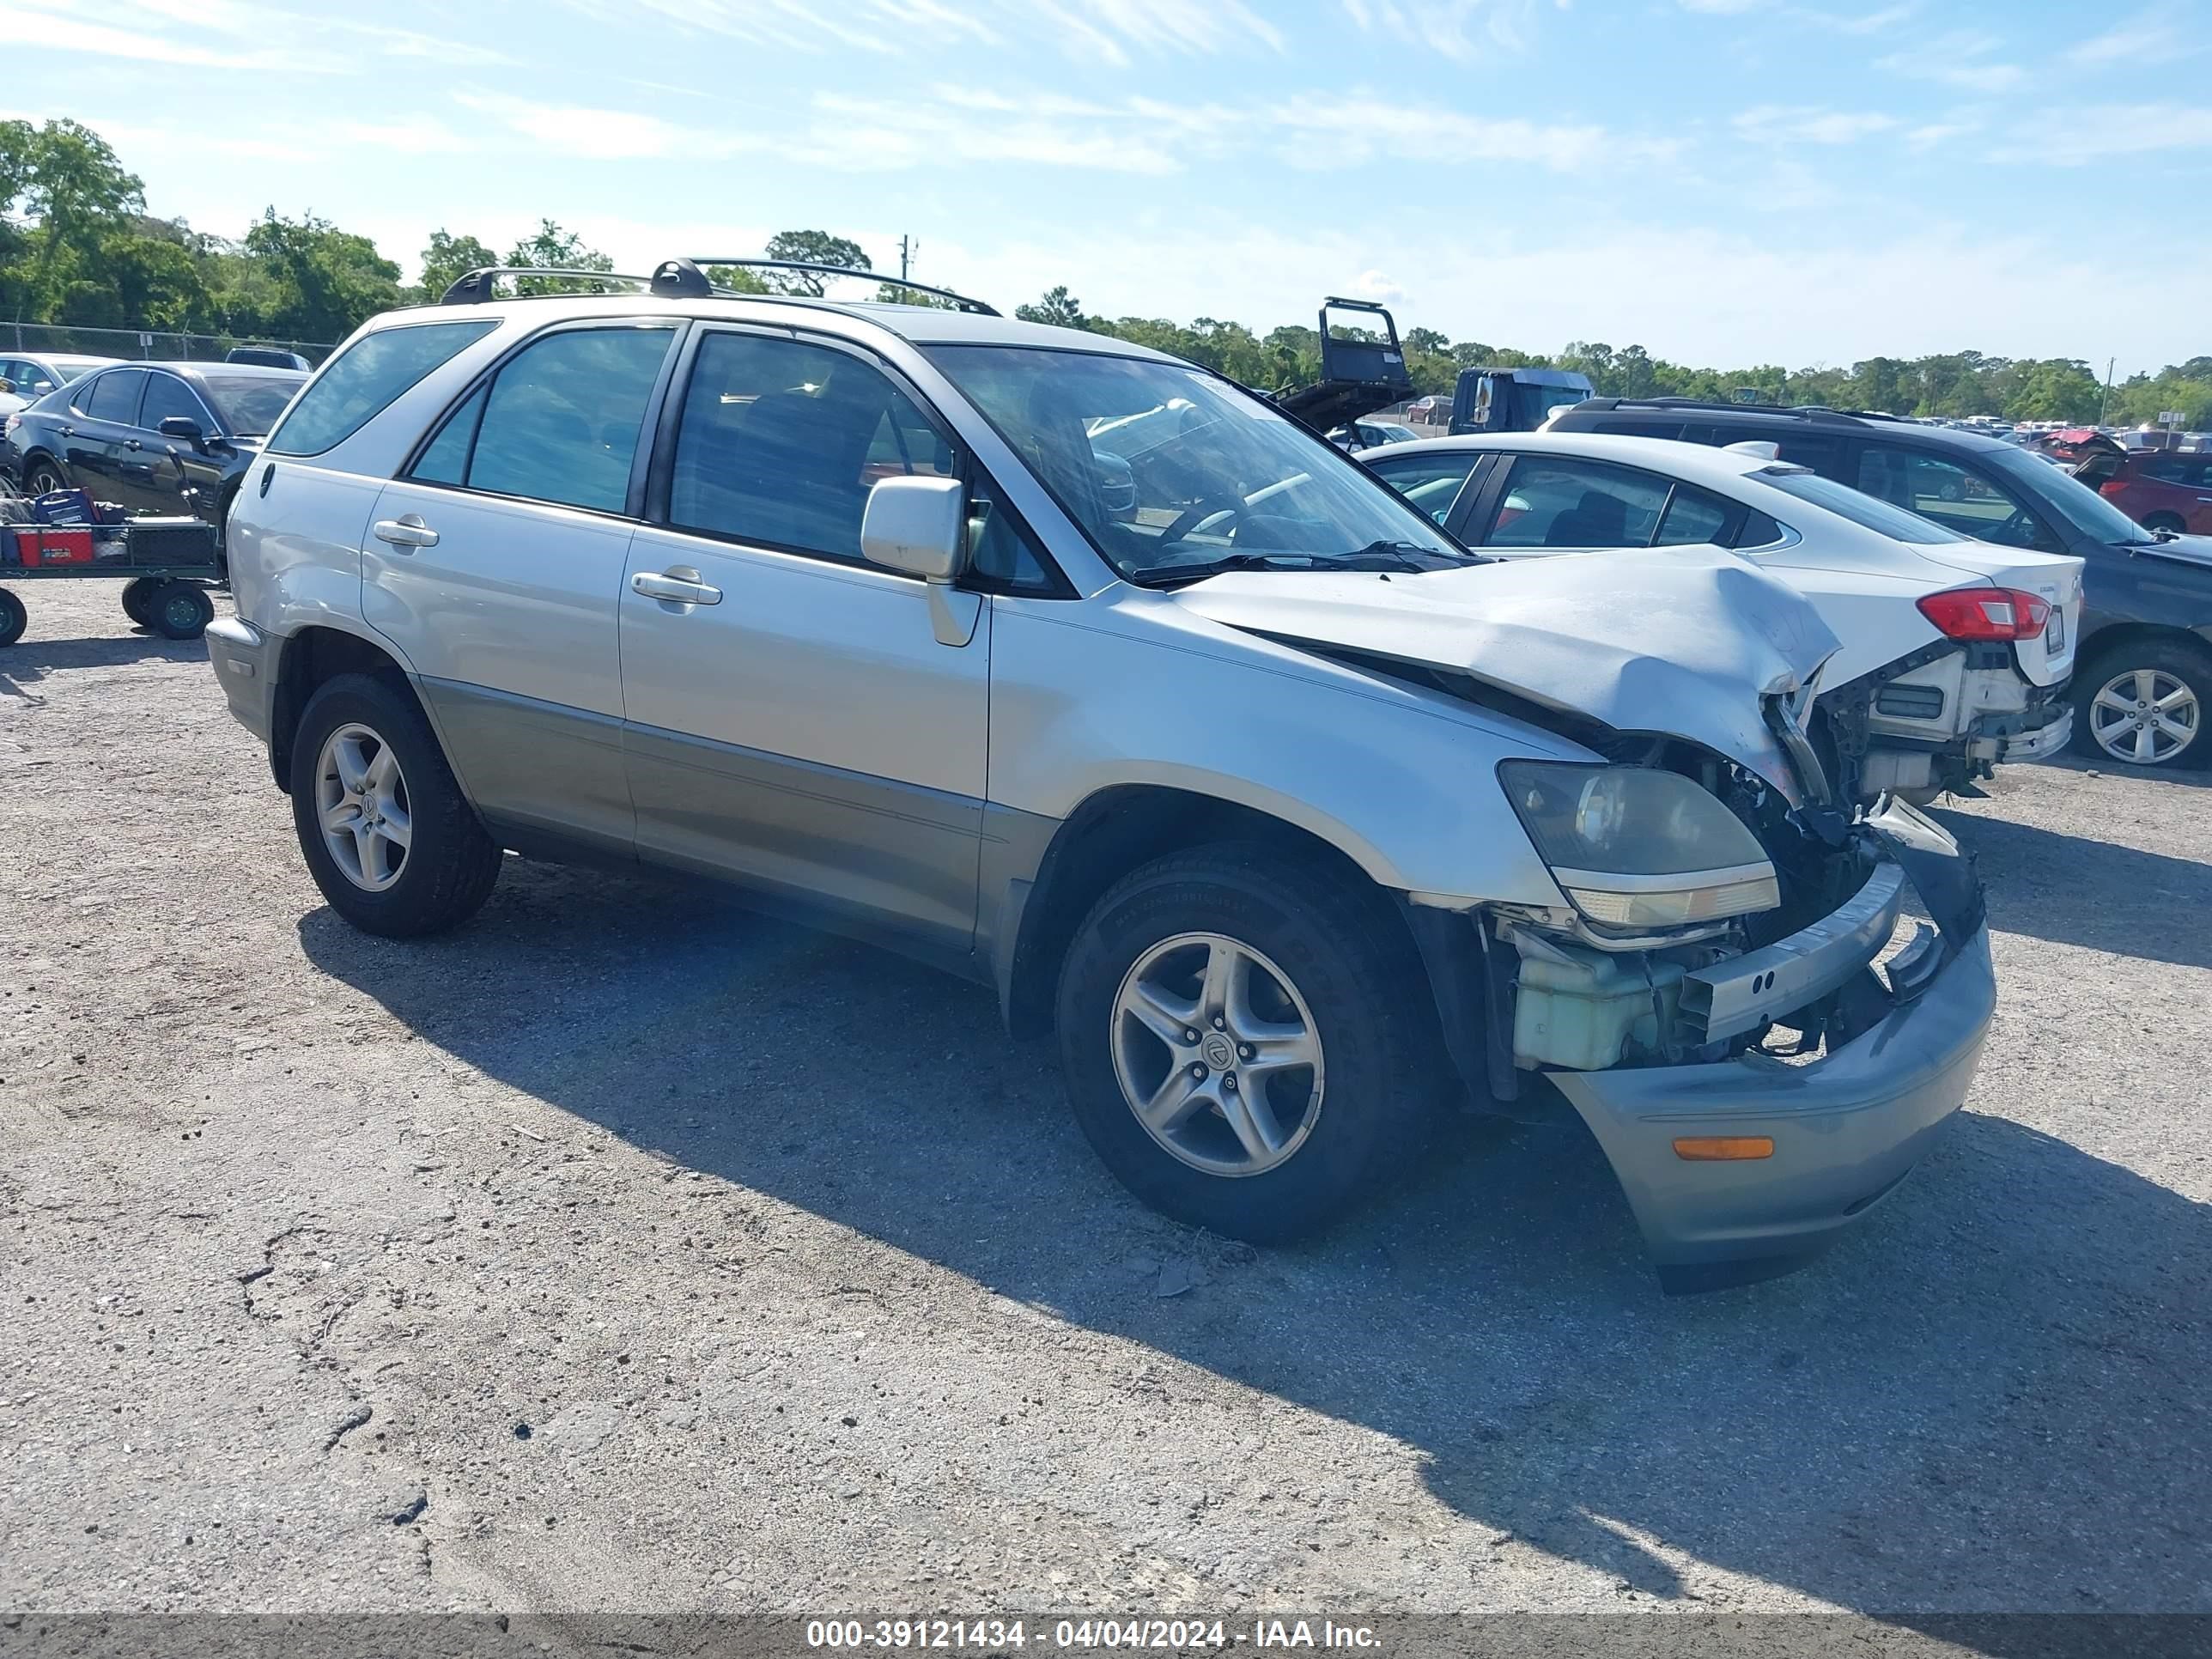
(1685, 645)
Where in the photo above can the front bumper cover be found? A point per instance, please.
(244, 663)
(1846, 1128)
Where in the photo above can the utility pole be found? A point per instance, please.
(907, 248)
(2104, 406)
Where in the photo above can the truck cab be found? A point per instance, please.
(1487, 400)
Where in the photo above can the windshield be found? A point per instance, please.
(1173, 473)
(249, 404)
(2067, 496)
(1869, 511)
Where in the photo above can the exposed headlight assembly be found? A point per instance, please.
(1636, 847)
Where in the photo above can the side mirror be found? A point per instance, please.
(185, 429)
(916, 524)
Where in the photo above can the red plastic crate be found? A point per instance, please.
(45, 545)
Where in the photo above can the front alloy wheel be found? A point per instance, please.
(2145, 716)
(361, 801)
(1217, 1054)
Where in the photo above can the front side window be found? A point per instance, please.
(114, 396)
(167, 397)
(1433, 482)
(247, 405)
(1173, 475)
(1575, 503)
(365, 379)
(1957, 496)
(560, 422)
(780, 442)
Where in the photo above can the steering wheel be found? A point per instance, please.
(1191, 517)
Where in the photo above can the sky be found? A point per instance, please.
(1726, 182)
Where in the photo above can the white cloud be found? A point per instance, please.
(607, 135)
(422, 135)
(1721, 8)
(1374, 285)
(2098, 132)
(1458, 29)
(1800, 124)
(30, 27)
(1959, 58)
(2143, 42)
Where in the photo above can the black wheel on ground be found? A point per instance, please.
(179, 610)
(13, 617)
(44, 476)
(1249, 1039)
(2165, 521)
(386, 830)
(2145, 703)
(137, 599)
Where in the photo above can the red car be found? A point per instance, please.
(2159, 489)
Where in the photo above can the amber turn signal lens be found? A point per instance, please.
(1707, 1149)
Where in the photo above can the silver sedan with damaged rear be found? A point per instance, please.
(1077, 669)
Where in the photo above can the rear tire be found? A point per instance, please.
(1317, 955)
(138, 594)
(179, 610)
(2165, 521)
(2168, 680)
(399, 780)
(44, 476)
(14, 619)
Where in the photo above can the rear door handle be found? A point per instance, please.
(406, 533)
(66, 431)
(680, 585)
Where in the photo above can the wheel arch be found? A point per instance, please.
(312, 656)
(2107, 643)
(1110, 833)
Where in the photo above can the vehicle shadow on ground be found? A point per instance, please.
(2096, 894)
(31, 660)
(2188, 778)
(1988, 1399)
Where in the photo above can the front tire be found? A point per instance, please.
(1248, 1040)
(2145, 704)
(14, 619)
(137, 596)
(45, 477)
(2165, 521)
(384, 827)
(178, 610)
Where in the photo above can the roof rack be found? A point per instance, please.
(674, 279)
(1802, 412)
(702, 260)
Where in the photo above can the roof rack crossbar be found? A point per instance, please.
(476, 286)
(751, 263)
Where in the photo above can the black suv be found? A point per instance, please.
(2143, 678)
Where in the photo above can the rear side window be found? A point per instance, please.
(1692, 516)
(781, 442)
(365, 377)
(114, 396)
(559, 421)
(1430, 482)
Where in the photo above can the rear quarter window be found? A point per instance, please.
(365, 379)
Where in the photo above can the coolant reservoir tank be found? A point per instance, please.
(1585, 1009)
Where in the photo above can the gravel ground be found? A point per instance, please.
(624, 1251)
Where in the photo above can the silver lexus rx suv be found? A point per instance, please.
(1083, 671)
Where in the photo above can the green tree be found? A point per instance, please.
(322, 281)
(553, 248)
(1056, 306)
(817, 247)
(446, 259)
(64, 176)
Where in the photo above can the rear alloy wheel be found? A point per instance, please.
(383, 825)
(43, 478)
(2164, 521)
(2148, 708)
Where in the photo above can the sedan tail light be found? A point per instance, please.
(1986, 613)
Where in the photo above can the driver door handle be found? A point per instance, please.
(132, 443)
(406, 533)
(679, 584)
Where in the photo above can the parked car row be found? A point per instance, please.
(162, 438)
(1083, 671)
(2143, 675)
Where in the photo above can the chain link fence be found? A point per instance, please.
(159, 344)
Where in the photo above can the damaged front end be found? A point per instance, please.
(1761, 1048)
